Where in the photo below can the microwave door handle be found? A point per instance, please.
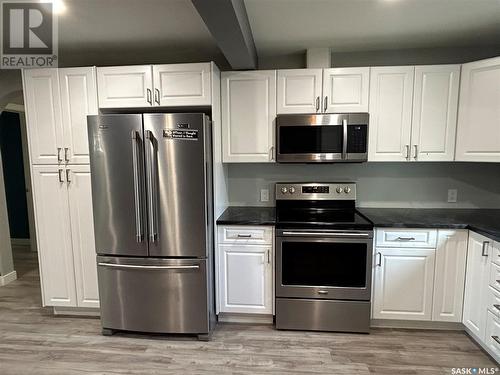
(344, 143)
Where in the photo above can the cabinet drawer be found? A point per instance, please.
(493, 301)
(495, 253)
(492, 338)
(495, 276)
(245, 235)
(424, 238)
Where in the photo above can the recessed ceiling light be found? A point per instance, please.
(58, 6)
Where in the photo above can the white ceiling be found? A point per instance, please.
(290, 26)
(134, 31)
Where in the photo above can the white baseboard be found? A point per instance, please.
(20, 241)
(10, 277)
(245, 318)
(77, 311)
(416, 324)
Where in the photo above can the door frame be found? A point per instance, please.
(19, 109)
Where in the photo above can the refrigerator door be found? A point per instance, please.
(177, 162)
(118, 187)
(154, 295)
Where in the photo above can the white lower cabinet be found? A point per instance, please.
(403, 283)
(476, 285)
(245, 272)
(64, 225)
(419, 279)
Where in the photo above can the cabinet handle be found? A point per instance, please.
(244, 235)
(407, 152)
(317, 104)
(415, 148)
(271, 153)
(148, 96)
(268, 257)
(496, 339)
(61, 177)
(379, 263)
(66, 150)
(59, 154)
(323, 292)
(326, 103)
(484, 249)
(68, 173)
(157, 96)
(406, 238)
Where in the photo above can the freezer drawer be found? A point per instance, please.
(154, 295)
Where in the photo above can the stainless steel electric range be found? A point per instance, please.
(323, 258)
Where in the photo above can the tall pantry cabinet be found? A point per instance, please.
(57, 103)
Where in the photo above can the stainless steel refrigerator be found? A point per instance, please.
(153, 222)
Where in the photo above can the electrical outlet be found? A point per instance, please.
(264, 195)
(452, 195)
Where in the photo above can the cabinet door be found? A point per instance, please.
(492, 337)
(435, 103)
(82, 235)
(478, 132)
(248, 115)
(182, 84)
(403, 283)
(346, 89)
(449, 279)
(246, 279)
(53, 235)
(391, 91)
(125, 86)
(476, 285)
(299, 91)
(43, 112)
(78, 99)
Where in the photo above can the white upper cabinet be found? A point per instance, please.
(391, 92)
(53, 236)
(478, 133)
(82, 235)
(182, 84)
(476, 285)
(435, 102)
(346, 89)
(248, 115)
(43, 112)
(78, 99)
(299, 91)
(449, 279)
(125, 86)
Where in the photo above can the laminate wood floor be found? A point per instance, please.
(32, 341)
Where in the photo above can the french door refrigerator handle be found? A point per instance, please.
(137, 194)
(134, 266)
(344, 142)
(150, 182)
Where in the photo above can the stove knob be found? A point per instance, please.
(284, 190)
(291, 190)
(339, 190)
(347, 189)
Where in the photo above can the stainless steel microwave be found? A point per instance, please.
(327, 138)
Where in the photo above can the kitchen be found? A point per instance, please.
(305, 207)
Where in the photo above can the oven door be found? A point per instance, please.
(324, 265)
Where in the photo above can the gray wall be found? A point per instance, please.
(379, 184)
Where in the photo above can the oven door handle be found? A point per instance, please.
(326, 234)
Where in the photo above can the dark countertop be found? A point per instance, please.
(248, 216)
(482, 221)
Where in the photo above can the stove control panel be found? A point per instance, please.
(316, 191)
